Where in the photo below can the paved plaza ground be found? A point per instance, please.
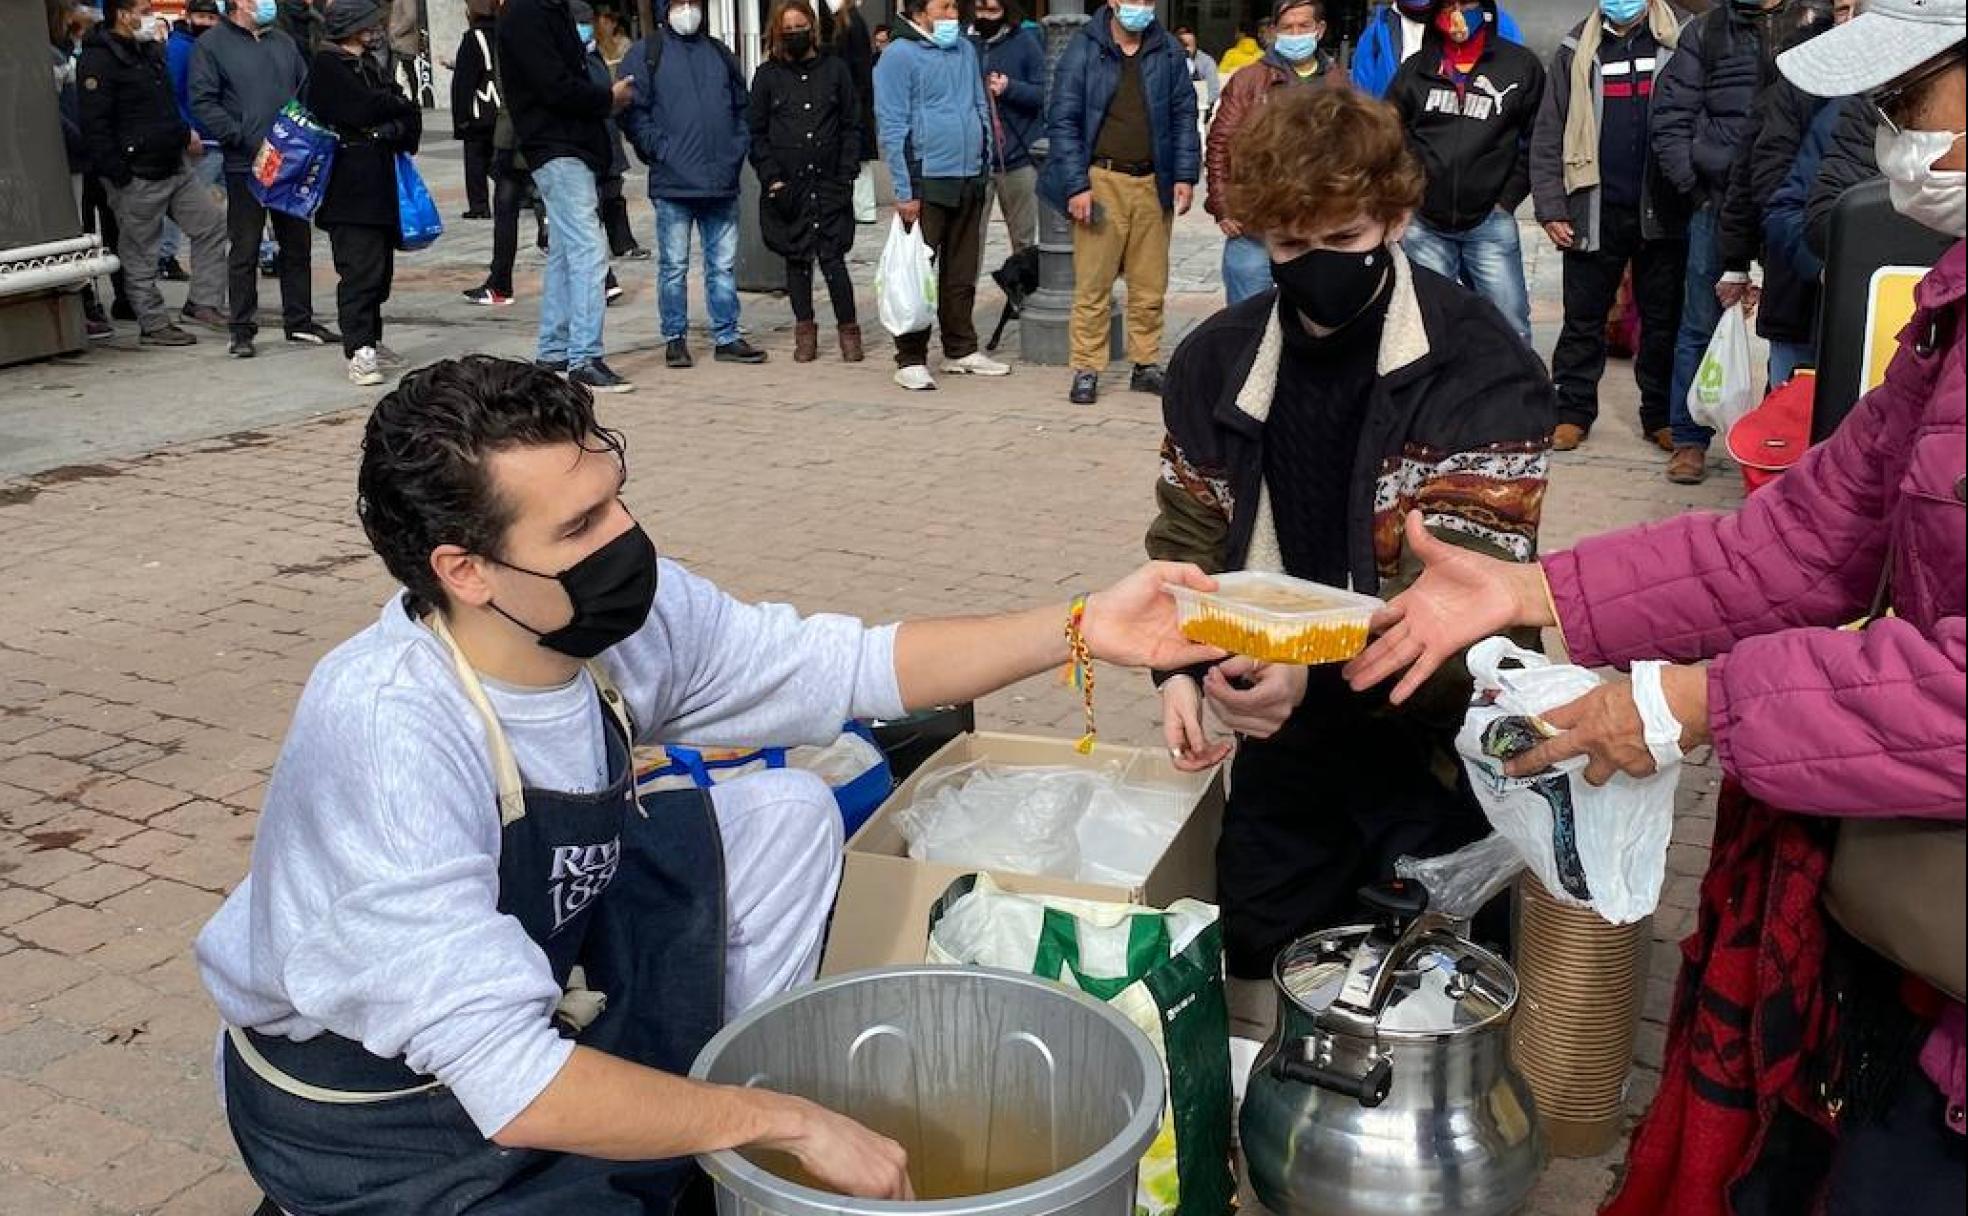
(178, 546)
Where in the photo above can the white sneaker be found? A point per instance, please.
(916, 379)
(364, 369)
(976, 363)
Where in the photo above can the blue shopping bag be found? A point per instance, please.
(417, 222)
(291, 170)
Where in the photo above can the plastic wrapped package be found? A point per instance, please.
(1460, 883)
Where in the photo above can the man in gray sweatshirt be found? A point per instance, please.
(244, 70)
(452, 862)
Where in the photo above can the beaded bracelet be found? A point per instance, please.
(1079, 668)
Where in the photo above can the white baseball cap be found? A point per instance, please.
(1888, 39)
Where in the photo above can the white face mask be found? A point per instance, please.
(835, 6)
(1932, 197)
(686, 19)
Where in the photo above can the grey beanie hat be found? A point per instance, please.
(347, 18)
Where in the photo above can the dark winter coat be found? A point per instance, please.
(1789, 308)
(854, 43)
(1473, 143)
(1783, 221)
(556, 109)
(1021, 107)
(1083, 87)
(1663, 211)
(300, 21)
(1702, 110)
(474, 93)
(806, 138)
(1848, 160)
(238, 85)
(689, 124)
(355, 97)
(130, 116)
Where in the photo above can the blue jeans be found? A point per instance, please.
(1246, 268)
(1787, 357)
(717, 219)
(1701, 312)
(572, 289)
(1489, 257)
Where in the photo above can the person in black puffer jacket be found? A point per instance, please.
(806, 149)
(1469, 99)
(1702, 116)
(140, 146)
(349, 92)
(1787, 304)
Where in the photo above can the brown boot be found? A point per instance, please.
(1663, 438)
(1567, 437)
(806, 341)
(850, 340)
(1688, 466)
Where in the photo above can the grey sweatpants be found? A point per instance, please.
(141, 206)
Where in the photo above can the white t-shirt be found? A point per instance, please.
(371, 908)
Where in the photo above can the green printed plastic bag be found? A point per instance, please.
(1163, 971)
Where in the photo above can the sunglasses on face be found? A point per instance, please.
(1891, 104)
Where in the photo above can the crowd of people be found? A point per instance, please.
(1663, 157)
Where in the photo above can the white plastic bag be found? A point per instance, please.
(1603, 847)
(905, 281)
(1724, 388)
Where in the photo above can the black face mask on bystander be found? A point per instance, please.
(1329, 287)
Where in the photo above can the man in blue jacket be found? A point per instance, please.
(1395, 32)
(200, 15)
(933, 122)
(688, 123)
(1014, 80)
(1124, 160)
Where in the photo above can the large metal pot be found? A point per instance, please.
(1014, 1096)
(1387, 1088)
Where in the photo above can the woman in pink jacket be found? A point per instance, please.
(1803, 1072)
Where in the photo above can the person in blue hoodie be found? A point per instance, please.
(1395, 31)
(200, 15)
(1124, 161)
(933, 124)
(690, 124)
(1014, 78)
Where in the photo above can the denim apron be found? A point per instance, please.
(626, 899)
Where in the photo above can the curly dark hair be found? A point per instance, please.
(1321, 156)
(424, 481)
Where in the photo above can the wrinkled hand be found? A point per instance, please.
(1561, 234)
(1134, 622)
(1230, 228)
(909, 210)
(1460, 598)
(1190, 748)
(1274, 691)
(847, 1157)
(1080, 207)
(623, 91)
(1605, 726)
(996, 82)
(1185, 197)
(1731, 294)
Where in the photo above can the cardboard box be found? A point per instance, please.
(882, 917)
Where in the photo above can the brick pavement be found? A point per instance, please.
(163, 610)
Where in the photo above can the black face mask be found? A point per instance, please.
(797, 44)
(988, 27)
(1329, 287)
(611, 589)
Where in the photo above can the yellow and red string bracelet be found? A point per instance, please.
(1079, 668)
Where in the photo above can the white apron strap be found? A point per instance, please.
(505, 769)
(264, 1069)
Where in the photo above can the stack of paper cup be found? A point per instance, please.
(1581, 984)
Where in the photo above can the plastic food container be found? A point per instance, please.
(1277, 618)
